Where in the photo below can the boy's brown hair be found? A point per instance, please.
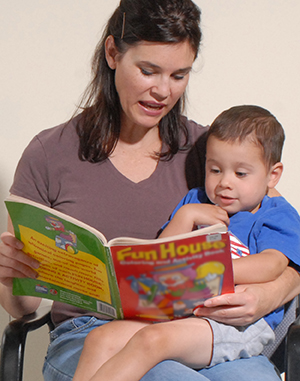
(254, 122)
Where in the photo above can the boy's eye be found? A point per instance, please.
(241, 174)
(215, 170)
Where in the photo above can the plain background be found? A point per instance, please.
(250, 54)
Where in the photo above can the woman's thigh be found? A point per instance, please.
(256, 368)
(66, 346)
(170, 370)
(253, 369)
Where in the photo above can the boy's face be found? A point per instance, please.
(237, 178)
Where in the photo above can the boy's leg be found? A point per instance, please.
(188, 341)
(102, 343)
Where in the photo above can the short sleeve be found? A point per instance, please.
(31, 176)
(279, 229)
(194, 196)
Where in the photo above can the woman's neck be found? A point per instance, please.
(135, 154)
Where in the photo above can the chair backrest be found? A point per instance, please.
(276, 351)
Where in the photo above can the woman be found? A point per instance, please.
(120, 167)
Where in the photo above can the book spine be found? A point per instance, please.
(115, 293)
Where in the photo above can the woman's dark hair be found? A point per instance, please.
(164, 21)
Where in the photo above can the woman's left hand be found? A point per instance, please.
(240, 308)
(253, 301)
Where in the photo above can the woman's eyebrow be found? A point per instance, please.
(154, 66)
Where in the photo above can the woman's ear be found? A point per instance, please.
(275, 174)
(111, 52)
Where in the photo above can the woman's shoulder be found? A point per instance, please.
(52, 145)
(195, 130)
(62, 134)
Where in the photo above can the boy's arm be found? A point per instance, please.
(191, 215)
(259, 268)
(251, 302)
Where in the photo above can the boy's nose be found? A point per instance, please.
(225, 181)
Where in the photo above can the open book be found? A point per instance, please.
(158, 279)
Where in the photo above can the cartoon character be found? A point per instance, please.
(66, 240)
(181, 290)
(172, 289)
(145, 287)
(211, 275)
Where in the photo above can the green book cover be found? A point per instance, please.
(75, 265)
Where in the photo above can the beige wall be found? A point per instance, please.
(250, 54)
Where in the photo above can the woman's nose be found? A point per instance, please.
(161, 89)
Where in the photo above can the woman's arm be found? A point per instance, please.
(251, 302)
(15, 263)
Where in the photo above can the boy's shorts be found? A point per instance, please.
(231, 343)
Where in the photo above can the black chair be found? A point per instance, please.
(286, 356)
(292, 348)
(14, 339)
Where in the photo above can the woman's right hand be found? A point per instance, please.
(14, 263)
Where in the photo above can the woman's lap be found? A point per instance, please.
(256, 368)
(67, 343)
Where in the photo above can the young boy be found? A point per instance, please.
(243, 156)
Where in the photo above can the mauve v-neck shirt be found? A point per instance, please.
(50, 172)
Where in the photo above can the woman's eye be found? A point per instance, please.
(146, 72)
(178, 77)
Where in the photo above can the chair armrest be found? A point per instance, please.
(293, 351)
(13, 342)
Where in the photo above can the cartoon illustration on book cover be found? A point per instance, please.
(66, 239)
(178, 288)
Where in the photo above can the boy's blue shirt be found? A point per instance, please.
(276, 225)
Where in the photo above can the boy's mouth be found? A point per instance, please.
(226, 200)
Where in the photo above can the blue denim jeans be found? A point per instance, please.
(66, 343)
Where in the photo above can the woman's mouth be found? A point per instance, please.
(152, 106)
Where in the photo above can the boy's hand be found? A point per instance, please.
(191, 215)
(206, 214)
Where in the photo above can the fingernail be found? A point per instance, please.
(35, 275)
(35, 265)
(20, 245)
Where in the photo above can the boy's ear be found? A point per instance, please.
(275, 174)
(111, 52)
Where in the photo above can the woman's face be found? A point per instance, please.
(150, 78)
